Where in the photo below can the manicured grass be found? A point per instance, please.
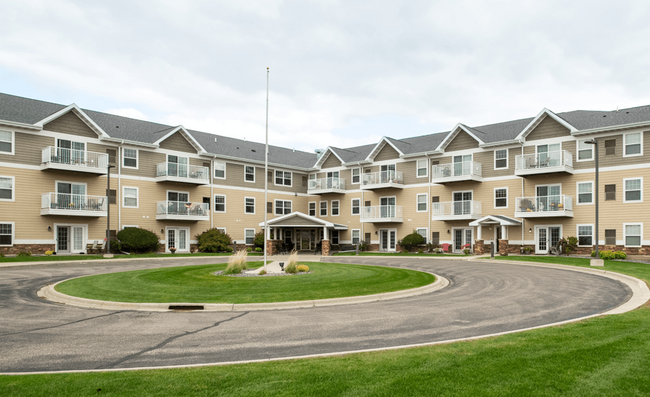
(54, 258)
(392, 254)
(606, 356)
(198, 284)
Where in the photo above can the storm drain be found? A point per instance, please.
(185, 307)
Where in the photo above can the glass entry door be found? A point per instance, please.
(387, 239)
(547, 237)
(177, 238)
(70, 239)
(462, 237)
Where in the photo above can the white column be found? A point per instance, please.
(504, 230)
(479, 233)
(325, 237)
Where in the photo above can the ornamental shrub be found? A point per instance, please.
(214, 240)
(236, 263)
(412, 240)
(258, 249)
(24, 254)
(302, 268)
(606, 255)
(135, 239)
(593, 254)
(620, 255)
(259, 240)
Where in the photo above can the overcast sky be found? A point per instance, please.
(341, 73)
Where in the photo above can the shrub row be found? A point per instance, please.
(610, 254)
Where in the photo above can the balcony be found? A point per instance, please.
(457, 172)
(544, 206)
(175, 172)
(544, 163)
(456, 210)
(182, 211)
(383, 179)
(73, 205)
(326, 185)
(54, 158)
(382, 214)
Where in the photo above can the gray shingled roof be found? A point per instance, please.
(25, 110)
(354, 154)
(588, 119)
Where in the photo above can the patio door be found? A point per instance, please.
(332, 180)
(387, 173)
(306, 239)
(548, 155)
(70, 195)
(461, 237)
(70, 239)
(70, 152)
(387, 207)
(177, 238)
(547, 237)
(548, 197)
(177, 166)
(387, 239)
(462, 164)
(462, 203)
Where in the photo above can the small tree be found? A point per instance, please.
(214, 240)
(259, 240)
(411, 240)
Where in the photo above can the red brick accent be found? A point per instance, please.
(33, 248)
(326, 247)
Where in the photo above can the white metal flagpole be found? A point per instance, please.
(267, 235)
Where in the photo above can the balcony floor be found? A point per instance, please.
(387, 185)
(460, 178)
(325, 191)
(456, 217)
(544, 214)
(182, 180)
(183, 217)
(382, 220)
(74, 168)
(86, 213)
(544, 170)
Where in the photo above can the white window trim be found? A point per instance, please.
(214, 204)
(275, 206)
(13, 234)
(224, 170)
(137, 159)
(625, 144)
(507, 159)
(282, 184)
(417, 203)
(245, 230)
(56, 186)
(625, 234)
(254, 172)
(320, 212)
(352, 236)
(179, 192)
(352, 206)
(495, 198)
(315, 208)
(13, 188)
(426, 169)
(578, 151)
(137, 197)
(249, 213)
(352, 182)
(578, 233)
(625, 190)
(13, 145)
(593, 194)
(223, 229)
(338, 207)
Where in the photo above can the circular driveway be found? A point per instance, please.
(483, 298)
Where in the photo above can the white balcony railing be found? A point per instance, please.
(176, 171)
(559, 160)
(326, 184)
(382, 213)
(73, 204)
(466, 209)
(182, 210)
(81, 160)
(382, 179)
(466, 170)
(555, 205)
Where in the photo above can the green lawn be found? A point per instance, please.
(606, 356)
(54, 258)
(198, 284)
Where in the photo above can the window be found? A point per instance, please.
(182, 197)
(610, 192)
(585, 233)
(282, 207)
(7, 142)
(422, 202)
(633, 191)
(366, 238)
(219, 203)
(356, 236)
(249, 173)
(130, 197)
(220, 170)
(610, 236)
(356, 203)
(422, 231)
(632, 144)
(610, 147)
(356, 175)
(6, 234)
(435, 238)
(312, 208)
(421, 166)
(335, 207)
(250, 236)
(335, 237)
(585, 151)
(323, 208)
(501, 197)
(633, 232)
(283, 178)
(585, 193)
(500, 159)
(249, 205)
(6, 188)
(130, 158)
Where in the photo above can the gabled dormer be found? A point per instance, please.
(462, 167)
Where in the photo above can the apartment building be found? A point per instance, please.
(526, 182)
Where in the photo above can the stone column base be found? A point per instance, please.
(326, 247)
(270, 247)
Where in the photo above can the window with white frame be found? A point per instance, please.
(422, 167)
(282, 207)
(323, 208)
(585, 193)
(422, 231)
(130, 197)
(220, 170)
(585, 151)
(283, 178)
(219, 203)
(6, 234)
(7, 142)
(222, 230)
(130, 158)
(356, 204)
(335, 237)
(356, 176)
(6, 188)
(356, 236)
(312, 208)
(585, 235)
(335, 207)
(249, 173)
(633, 233)
(250, 236)
(633, 144)
(501, 197)
(633, 190)
(500, 159)
(422, 202)
(249, 205)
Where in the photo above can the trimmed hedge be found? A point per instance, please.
(411, 240)
(214, 240)
(137, 240)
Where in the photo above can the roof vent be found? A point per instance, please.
(294, 149)
(319, 152)
(215, 139)
(253, 150)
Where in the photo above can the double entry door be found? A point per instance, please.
(177, 237)
(462, 237)
(387, 239)
(547, 237)
(70, 239)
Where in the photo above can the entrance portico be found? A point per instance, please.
(499, 224)
(301, 232)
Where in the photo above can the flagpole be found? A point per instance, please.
(267, 235)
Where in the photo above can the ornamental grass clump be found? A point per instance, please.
(236, 263)
(292, 266)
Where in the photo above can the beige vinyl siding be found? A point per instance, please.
(28, 148)
(486, 159)
(615, 159)
(331, 161)
(177, 142)
(462, 141)
(548, 128)
(147, 163)
(410, 173)
(71, 124)
(387, 153)
(99, 148)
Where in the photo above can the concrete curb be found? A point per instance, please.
(50, 293)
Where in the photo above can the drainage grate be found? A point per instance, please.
(185, 307)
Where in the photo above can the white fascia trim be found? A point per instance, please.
(14, 124)
(502, 143)
(612, 128)
(539, 118)
(454, 132)
(186, 135)
(421, 154)
(380, 145)
(128, 142)
(83, 116)
(325, 155)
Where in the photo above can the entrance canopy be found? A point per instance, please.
(298, 219)
(500, 220)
